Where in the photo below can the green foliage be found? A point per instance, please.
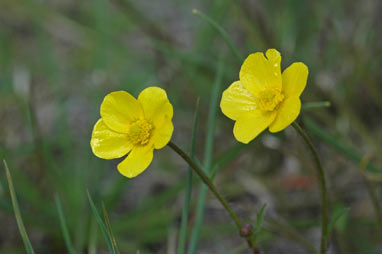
(260, 217)
(109, 230)
(258, 230)
(101, 224)
(221, 31)
(64, 227)
(188, 189)
(16, 209)
(371, 170)
(208, 149)
(59, 59)
(339, 219)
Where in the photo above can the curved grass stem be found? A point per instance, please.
(212, 188)
(324, 198)
(221, 31)
(16, 209)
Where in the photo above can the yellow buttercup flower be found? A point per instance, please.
(134, 126)
(263, 97)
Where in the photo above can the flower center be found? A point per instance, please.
(269, 99)
(140, 132)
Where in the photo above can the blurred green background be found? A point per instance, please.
(59, 58)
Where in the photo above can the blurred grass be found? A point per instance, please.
(58, 59)
(208, 149)
(64, 227)
(188, 188)
(16, 209)
(106, 233)
(109, 229)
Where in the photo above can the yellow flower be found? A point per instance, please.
(133, 125)
(263, 97)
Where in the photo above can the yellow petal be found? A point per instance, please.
(162, 134)
(251, 124)
(156, 105)
(257, 73)
(287, 112)
(294, 79)
(118, 109)
(137, 161)
(274, 59)
(108, 144)
(237, 100)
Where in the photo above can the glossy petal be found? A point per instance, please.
(257, 73)
(237, 100)
(294, 79)
(118, 109)
(108, 144)
(287, 112)
(251, 124)
(137, 161)
(156, 105)
(162, 135)
(274, 59)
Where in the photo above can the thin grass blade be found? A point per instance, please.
(335, 219)
(211, 123)
(16, 209)
(222, 32)
(108, 226)
(101, 224)
(259, 223)
(371, 170)
(63, 225)
(260, 216)
(188, 190)
(93, 235)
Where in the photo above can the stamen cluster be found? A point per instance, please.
(140, 131)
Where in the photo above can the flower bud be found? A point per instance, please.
(246, 230)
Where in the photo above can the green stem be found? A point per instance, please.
(315, 105)
(212, 188)
(321, 177)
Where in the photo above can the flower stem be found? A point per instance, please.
(212, 188)
(324, 198)
(315, 105)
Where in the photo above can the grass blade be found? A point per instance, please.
(260, 216)
(342, 148)
(108, 226)
(93, 234)
(16, 208)
(64, 227)
(335, 219)
(187, 198)
(207, 158)
(101, 224)
(222, 32)
(259, 224)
